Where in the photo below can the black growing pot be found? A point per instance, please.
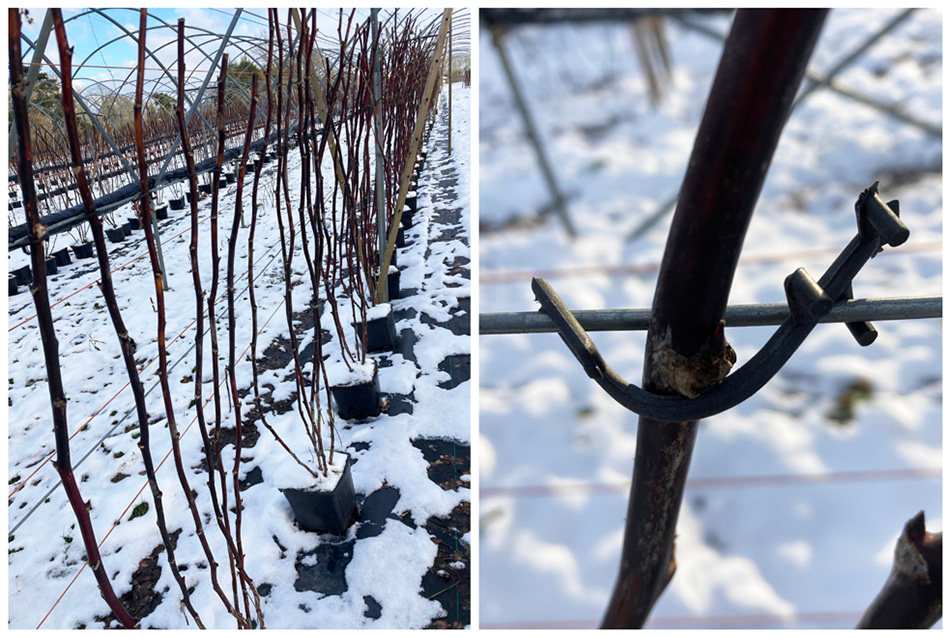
(84, 251)
(16, 203)
(23, 276)
(177, 203)
(12, 290)
(62, 257)
(161, 212)
(407, 216)
(230, 177)
(51, 267)
(357, 401)
(412, 202)
(133, 223)
(400, 238)
(381, 334)
(205, 188)
(251, 166)
(392, 283)
(115, 235)
(325, 511)
(126, 228)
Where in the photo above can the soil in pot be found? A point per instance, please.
(355, 394)
(177, 203)
(84, 251)
(23, 276)
(62, 257)
(328, 506)
(380, 329)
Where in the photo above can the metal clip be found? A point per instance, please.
(809, 301)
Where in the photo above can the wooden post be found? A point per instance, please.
(450, 87)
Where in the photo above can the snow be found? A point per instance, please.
(786, 511)
(388, 567)
(379, 311)
(347, 374)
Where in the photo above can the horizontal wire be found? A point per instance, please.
(496, 277)
(736, 621)
(714, 482)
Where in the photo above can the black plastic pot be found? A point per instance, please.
(407, 216)
(51, 267)
(325, 511)
(400, 238)
(392, 282)
(115, 235)
(126, 228)
(62, 257)
(133, 223)
(12, 290)
(381, 334)
(84, 251)
(230, 177)
(357, 401)
(16, 203)
(205, 188)
(251, 167)
(412, 202)
(177, 203)
(23, 276)
(161, 212)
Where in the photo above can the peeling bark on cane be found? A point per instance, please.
(912, 596)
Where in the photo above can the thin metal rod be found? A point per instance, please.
(560, 205)
(38, 50)
(740, 316)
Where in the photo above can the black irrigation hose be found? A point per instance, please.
(75, 215)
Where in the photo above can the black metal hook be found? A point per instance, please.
(878, 224)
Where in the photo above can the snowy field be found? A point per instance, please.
(797, 496)
(48, 582)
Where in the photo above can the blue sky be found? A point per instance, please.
(88, 31)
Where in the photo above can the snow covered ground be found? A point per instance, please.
(797, 496)
(385, 566)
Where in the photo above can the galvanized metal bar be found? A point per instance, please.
(739, 316)
(560, 205)
(38, 50)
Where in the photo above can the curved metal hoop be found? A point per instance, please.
(878, 224)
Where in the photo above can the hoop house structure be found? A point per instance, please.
(238, 388)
